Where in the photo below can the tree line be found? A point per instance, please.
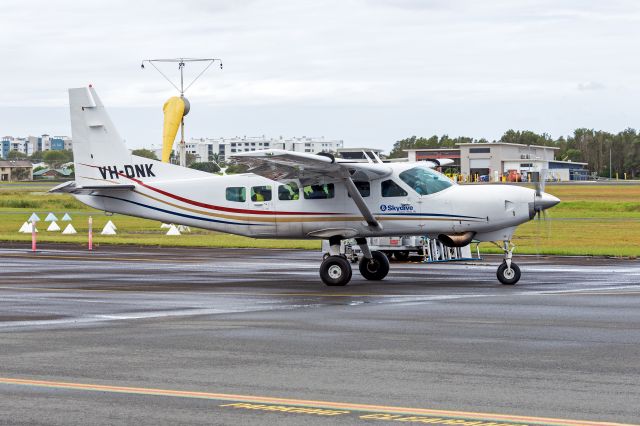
(584, 145)
(53, 158)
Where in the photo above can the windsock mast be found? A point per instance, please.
(174, 114)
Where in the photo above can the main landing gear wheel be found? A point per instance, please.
(508, 276)
(335, 271)
(375, 268)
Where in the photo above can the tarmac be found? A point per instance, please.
(126, 335)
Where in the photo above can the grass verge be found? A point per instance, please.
(591, 220)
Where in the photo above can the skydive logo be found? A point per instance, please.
(128, 170)
(396, 208)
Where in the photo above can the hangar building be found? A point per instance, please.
(497, 159)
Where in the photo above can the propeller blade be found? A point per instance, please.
(541, 183)
(543, 179)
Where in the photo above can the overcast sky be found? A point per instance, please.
(369, 72)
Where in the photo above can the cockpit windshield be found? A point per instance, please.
(425, 181)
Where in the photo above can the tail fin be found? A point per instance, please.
(96, 141)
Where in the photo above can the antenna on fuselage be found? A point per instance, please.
(175, 108)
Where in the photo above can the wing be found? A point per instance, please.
(310, 169)
(437, 162)
(313, 169)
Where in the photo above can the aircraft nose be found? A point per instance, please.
(546, 201)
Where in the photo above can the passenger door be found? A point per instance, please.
(263, 222)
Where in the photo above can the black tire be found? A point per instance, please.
(375, 268)
(508, 277)
(401, 255)
(335, 271)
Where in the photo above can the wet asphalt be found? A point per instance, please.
(563, 343)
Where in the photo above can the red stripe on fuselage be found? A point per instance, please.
(213, 207)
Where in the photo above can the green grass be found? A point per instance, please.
(598, 220)
(591, 220)
(17, 205)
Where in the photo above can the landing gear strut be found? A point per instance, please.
(508, 272)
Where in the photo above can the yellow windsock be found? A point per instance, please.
(173, 112)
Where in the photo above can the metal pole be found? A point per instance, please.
(90, 233)
(33, 236)
(609, 163)
(183, 152)
(182, 147)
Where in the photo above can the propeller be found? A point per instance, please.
(540, 184)
(542, 201)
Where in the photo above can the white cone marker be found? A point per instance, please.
(108, 229)
(173, 231)
(69, 230)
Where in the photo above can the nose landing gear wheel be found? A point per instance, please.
(375, 268)
(508, 276)
(335, 271)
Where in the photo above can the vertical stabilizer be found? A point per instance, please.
(96, 141)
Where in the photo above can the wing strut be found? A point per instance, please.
(361, 204)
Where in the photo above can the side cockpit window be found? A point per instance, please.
(364, 188)
(391, 189)
(237, 194)
(425, 181)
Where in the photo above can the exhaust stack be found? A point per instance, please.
(456, 240)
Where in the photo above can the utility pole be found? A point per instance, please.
(181, 64)
(610, 174)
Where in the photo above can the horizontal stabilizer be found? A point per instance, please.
(73, 188)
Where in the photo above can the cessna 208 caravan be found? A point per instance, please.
(297, 195)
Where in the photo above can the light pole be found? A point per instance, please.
(181, 64)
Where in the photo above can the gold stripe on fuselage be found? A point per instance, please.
(290, 219)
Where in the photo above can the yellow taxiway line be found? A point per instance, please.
(447, 416)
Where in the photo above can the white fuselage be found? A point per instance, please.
(200, 200)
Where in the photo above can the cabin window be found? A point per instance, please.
(318, 192)
(288, 192)
(237, 194)
(425, 181)
(391, 189)
(261, 193)
(364, 188)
